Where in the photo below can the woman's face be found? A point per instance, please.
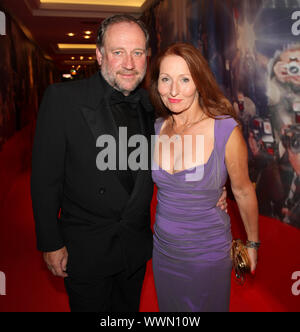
(176, 86)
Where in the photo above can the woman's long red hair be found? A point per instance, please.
(211, 99)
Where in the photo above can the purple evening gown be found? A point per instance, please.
(192, 237)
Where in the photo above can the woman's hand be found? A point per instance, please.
(252, 252)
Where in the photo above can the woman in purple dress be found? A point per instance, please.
(198, 143)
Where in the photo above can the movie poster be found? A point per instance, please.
(265, 83)
(253, 48)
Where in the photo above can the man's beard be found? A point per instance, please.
(113, 81)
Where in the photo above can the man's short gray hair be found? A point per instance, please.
(119, 19)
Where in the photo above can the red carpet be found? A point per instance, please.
(30, 287)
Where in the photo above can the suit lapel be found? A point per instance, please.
(96, 110)
(100, 120)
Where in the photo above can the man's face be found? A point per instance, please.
(123, 56)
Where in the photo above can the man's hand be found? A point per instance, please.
(57, 262)
(222, 204)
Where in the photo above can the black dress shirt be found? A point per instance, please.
(125, 113)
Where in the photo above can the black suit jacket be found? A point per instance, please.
(104, 228)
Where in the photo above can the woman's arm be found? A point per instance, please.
(236, 158)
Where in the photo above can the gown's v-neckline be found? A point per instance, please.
(193, 167)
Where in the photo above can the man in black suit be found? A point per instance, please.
(101, 239)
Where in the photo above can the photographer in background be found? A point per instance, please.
(274, 142)
(278, 190)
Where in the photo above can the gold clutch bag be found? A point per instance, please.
(240, 259)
